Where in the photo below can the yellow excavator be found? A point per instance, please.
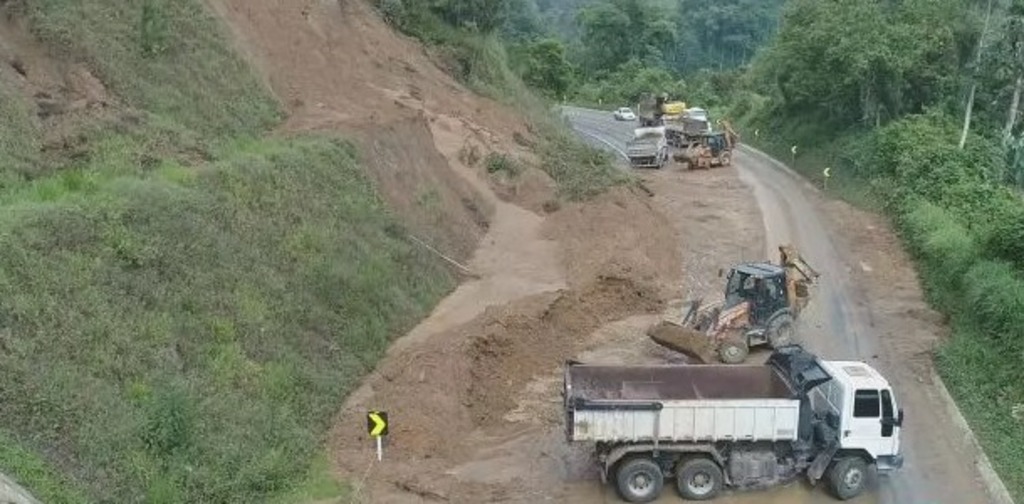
(762, 302)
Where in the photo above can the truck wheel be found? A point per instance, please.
(733, 351)
(848, 477)
(639, 480)
(699, 479)
(781, 331)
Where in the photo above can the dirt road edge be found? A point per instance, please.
(989, 477)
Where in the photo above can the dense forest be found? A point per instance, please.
(915, 104)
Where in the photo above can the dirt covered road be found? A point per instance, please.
(868, 307)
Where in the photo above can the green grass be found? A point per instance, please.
(186, 338)
(184, 306)
(19, 138)
(169, 58)
(42, 479)
(319, 486)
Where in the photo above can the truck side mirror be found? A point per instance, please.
(899, 418)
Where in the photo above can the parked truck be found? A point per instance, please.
(648, 148)
(708, 427)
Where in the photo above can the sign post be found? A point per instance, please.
(377, 427)
(827, 172)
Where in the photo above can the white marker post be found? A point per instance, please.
(377, 427)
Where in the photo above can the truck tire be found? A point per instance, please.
(733, 351)
(781, 331)
(699, 479)
(847, 477)
(639, 480)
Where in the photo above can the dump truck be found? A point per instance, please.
(648, 148)
(708, 428)
(761, 304)
(652, 110)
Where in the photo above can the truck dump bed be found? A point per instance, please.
(678, 403)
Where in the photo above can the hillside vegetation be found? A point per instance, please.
(186, 299)
(915, 107)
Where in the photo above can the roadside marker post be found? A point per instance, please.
(377, 427)
(827, 172)
(792, 151)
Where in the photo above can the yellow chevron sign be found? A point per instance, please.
(377, 423)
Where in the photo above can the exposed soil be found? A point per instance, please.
(65, 95)
(336, 66)
(481, 415)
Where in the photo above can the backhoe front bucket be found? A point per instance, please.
(687, 341)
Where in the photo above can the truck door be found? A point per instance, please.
(890, 425)
(866, 427)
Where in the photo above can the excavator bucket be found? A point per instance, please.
(689, 342)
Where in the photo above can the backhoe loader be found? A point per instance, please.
(762, 302)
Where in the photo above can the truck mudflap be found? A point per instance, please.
(798, 367)
(821, 462)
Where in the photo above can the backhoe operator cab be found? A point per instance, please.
(763, 286)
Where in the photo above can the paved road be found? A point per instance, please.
(935, 471)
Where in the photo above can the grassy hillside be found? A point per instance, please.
(183, 304)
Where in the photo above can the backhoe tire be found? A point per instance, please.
(699, 479)
(781, 331)
(726, 159)
(733, 351)
(639, 479)
(847, 477)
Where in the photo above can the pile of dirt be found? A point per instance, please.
(515, 344)
(419, 185)
(619, 233)
(471, 381)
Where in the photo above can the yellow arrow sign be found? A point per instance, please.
(793, 150)
(377, 423)
(827, 172)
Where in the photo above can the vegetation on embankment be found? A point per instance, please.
(889, 125)
(184, 302)
(470, 38)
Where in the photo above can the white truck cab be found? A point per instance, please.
(865, 405)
